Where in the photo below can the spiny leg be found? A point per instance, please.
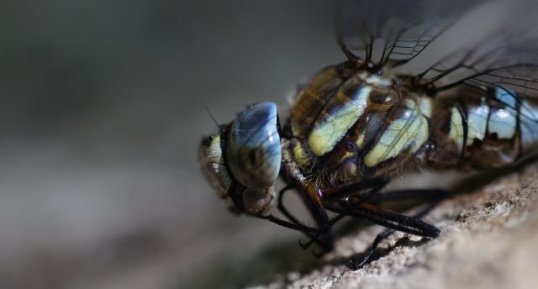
(436, 196)
(236, 197)
(365, 190)
(355, 263)
(287, 224)
(389, 219)
(432, 195)
(282, 208)
(314, 237)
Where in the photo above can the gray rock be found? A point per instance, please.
(488, 240)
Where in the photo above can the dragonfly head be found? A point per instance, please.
(242, 162)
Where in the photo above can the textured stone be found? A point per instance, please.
(489, 239)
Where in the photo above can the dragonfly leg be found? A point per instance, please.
(313, 236)
(287, 224)
(435, 197)
(314, 239)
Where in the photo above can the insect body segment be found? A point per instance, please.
(407, 133)
(492, 128)
(339, 115)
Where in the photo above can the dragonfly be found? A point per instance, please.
(387, 110)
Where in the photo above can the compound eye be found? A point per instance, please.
(253, 151)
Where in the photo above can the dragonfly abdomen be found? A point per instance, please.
(485, 132)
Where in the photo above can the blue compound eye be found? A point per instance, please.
(253, 149)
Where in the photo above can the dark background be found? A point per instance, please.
(102, 107)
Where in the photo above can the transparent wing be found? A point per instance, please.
(492, 45)
(393, 32)
(504, 63)
(517, 75)
(504, 60)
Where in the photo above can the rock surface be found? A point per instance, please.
(489, 239)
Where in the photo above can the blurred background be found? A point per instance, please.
(102, 107)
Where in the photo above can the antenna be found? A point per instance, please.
(211, 116)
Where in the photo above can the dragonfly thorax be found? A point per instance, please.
(347, 126)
